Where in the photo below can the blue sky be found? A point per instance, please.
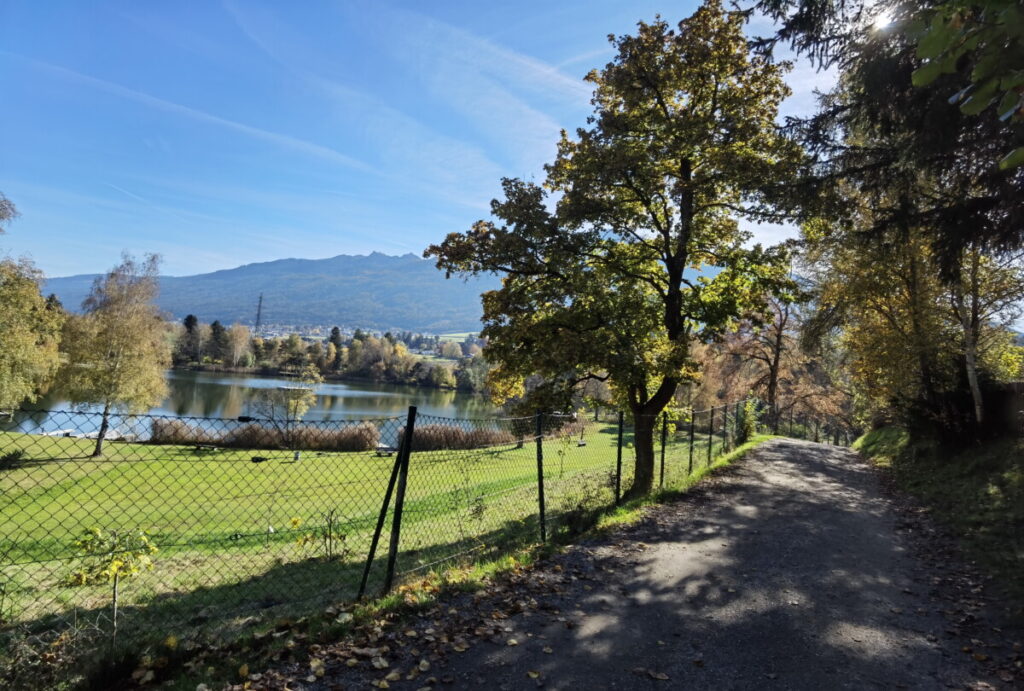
(222, 133)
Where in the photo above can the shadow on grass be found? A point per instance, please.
(230, 611)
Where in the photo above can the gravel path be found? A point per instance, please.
(790, 570)
(791, 574)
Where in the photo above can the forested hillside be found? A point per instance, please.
(372, 291)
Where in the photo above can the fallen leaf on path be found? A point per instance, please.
(660, 676)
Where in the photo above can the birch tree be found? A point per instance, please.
(116, 350)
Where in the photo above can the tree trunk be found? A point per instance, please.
(773, 397)
(970, 322)
(773, 369)
(970, 353)
(643, 447)
(104, 426)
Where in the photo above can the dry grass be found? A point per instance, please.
(254, 437)
(438, 437)
(361, 437)
(171, 431)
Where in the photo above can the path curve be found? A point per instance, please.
(791, 575)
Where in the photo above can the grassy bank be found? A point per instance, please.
(240, 540)
(977, 492)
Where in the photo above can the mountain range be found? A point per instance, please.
(376, 291)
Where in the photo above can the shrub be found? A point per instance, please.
(568, 428)
(579, 508)
(253, 436)
(748, 422)
(438, 437)
(107, 556)
(361, 437)
(173, 431)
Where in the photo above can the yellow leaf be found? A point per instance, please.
(424, 666)
(317, 666)
(548, 650)
(243, 671)
(532, 674)
(171, 642)
(381, 684)
(352, 662)
(379, 663)
(512, 641)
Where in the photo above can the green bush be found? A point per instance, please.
(748, 422)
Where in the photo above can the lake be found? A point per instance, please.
(224, 395)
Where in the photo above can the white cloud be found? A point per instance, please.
(281, 140)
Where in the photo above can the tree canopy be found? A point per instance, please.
(116, 351)
(642, 254)
(29, 335)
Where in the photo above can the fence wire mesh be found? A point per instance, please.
(200, 523)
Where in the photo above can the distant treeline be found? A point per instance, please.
(398, 358)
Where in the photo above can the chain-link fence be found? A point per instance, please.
(816, 428)
(142, 525)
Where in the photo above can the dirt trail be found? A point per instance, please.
(792, 570)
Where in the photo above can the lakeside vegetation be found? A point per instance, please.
(441, 362)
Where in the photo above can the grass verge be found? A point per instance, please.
(977, 492)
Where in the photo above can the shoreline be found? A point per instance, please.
(289, 374)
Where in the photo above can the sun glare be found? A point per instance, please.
(881, 21)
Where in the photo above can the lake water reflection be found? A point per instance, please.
(216, 394)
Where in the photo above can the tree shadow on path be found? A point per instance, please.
(789, 571)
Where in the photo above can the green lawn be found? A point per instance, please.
(458, 337)
(237, 537)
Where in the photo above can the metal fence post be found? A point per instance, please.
(725, 428)
(711, 431)
(618, 463)
(693, 418)
(664, 434)
(403, 476)
(540, 475)
(383, 514)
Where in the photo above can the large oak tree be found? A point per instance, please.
(642, 254)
